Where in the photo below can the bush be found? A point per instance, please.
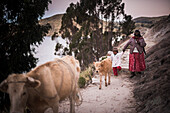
(88, 73)
(82, 82)
(86, 76)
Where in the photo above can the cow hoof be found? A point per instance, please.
(108, 83)
(100, 88)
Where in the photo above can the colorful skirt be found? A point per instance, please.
(136, 62)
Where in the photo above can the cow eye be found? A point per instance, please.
(15, 91)
(24, 93)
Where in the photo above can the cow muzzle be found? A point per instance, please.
(16, 112)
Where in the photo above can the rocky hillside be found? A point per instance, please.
(153, 35)
(54, 21)
(158, 32)
(147, 21)
(152, 90)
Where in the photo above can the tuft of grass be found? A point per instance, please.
(87, 75)
(82, 82)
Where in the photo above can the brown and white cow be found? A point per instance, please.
(104, 68)
(43, 87)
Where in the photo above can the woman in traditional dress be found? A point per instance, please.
(136, 56)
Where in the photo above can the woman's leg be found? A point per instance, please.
(132, 74)
(139, 72)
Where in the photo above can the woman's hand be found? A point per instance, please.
(137, 41)
(108, 55)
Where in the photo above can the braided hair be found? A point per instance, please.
(137, 31)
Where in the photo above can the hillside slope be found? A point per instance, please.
(147, 21)
(158, 32)
(152, 89)
(54, 21)
(152, 36)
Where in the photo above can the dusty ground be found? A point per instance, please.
(116, 98)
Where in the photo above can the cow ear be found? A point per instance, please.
(31, 82)
(4, 86)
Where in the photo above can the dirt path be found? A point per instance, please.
(116, 98)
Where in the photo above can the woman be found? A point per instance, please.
(136, 56)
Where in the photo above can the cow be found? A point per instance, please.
(74, 64)
(104, 68)
(43, 87)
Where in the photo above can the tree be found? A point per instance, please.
(127, 25)
(114, 9)
(90, 28)
(20, 32)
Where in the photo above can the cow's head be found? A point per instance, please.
(16, 85)
(98, 66)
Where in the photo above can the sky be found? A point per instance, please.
(135, 8)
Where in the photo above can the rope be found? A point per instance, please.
(70, 69)
(16, 82)
(61, 84)
(45, 96)
(81, 98)
(72, 73)
(34, 89)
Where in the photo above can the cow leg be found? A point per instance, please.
(100, 82)
(72, 104)
(109, 78)
(54, 103)
(55, 107)
(106, 80)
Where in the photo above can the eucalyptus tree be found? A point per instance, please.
(127, 25)
(90, 28)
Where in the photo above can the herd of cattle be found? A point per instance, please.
(48, 84)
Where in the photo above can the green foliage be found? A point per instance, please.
(54, 35)
(128, 25)
(88, 73)
(83, 25)
(20, 32)
(82, 82)
(103, 57)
